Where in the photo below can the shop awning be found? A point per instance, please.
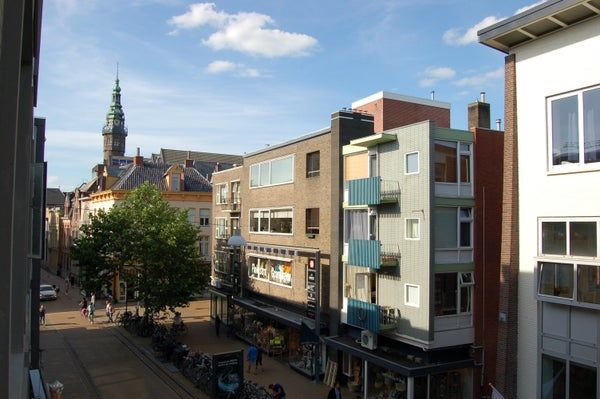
(394, 363)
(283, 316)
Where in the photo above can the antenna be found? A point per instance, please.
(117, 70)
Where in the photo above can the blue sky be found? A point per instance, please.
(234, 76)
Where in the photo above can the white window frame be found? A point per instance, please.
(406, 172)
(217, 224)
(406, 297)
(568, 257)
(418, 237)
(270, 161)
(204, 240)
(459, 152)
(459, 285)
(459, 219)
(236, 199)
(221, 199)
(269, 211)
(268, 279)
(200, 217)
(571, 167)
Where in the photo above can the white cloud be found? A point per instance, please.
(221, 66)
(246, 32)
(537, 3)
(433, 75)
(456, 37)
(482, 79)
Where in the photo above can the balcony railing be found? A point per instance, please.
(370, 253)
(372, 191)
(372, 317)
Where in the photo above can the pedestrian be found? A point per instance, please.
(335, 392)
(252, 355)
(93, 298)
(277, 391)
(259, 359)
(42, 315)
(72, 280)
(83, 307)
(109, 311)
(217, 324)
(91, 308)
(67, 285)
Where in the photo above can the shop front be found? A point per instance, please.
(387, 374)
(277, 332)
(220, 305)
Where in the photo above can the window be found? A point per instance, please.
(412, 231)
(556, 279)
(453, 293)
(221, 193)
(276, 171)
(356, 225)
(554, 378)
(582, 381)
(278, 271)
(221, 228)
(204, 217)
(411, 163)
(235, 224)
(452, 162)
(411, 295)
(571, 238)
(313, 164)
(574, 121)
(373, 170)
(204, 240)
(276, 221)
(175, 182)
(453, 227)
(312, 221)
(588, 284)
(192, 215)
(235, 192)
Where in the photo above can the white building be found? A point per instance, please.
(553, 118)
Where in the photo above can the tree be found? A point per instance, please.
(154, 245)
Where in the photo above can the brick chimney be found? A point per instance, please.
(100, 177)
(138, 160)
(479, 113)
(189, 163)
(217, 167)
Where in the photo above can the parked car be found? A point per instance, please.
(47, 292)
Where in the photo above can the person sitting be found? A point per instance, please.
(277, 391)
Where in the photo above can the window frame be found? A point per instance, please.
(205, 219)
(306, 219)
(418, 237)
(235, 194)
(574, 299)
(313, 173)
(269, 267)
(217, 225)
(580, 166)
(406, 298)
(568, 221)
(220, 198)
(268, 210)
(460, 284)
(459, 220)
(406, 172)
(269, 162)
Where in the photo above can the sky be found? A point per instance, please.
(234, 76)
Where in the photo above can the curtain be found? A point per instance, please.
(356, 226)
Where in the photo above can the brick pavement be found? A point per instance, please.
(91, 363)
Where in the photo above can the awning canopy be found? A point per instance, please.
(283, 316)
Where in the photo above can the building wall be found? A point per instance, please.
(555, 64)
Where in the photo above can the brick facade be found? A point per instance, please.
(506, 366)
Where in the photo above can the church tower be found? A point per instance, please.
(114, 130)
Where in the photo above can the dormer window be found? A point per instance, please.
(174, 178)
(175, 182)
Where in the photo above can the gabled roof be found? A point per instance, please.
(136, 175)
(179, 156)
(54, 197)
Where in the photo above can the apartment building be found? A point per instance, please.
(549, 325)
(412, 255)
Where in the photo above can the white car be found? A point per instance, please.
(47, 292)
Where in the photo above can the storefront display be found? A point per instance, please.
(386, 384)
(303, 359)
(272, 269)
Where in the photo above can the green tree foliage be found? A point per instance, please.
(149, 244)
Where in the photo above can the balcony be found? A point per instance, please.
(371, 254)
(372, 191)
(372, 317)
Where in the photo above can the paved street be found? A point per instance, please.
(104, 361)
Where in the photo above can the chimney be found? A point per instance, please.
(100, 176)
(479, 113)
(432, 94)
(499, 124)
(138, 160)
(217, 167)
(189, 163)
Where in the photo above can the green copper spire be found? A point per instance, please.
(115, 118)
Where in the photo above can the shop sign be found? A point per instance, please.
(311, 289)
(228, 374)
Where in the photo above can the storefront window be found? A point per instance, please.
(274, 270)
(454, 384)
(281, 272)
(386, 384)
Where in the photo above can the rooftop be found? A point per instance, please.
(399, 97)
(136, 175)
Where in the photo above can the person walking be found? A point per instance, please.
(93, 298)
(91, 309)
(259, 360)
(109, 312)
(217, 324)
(252, 355)
(335, 392)
(42, 315)
(83, 307)
(67, 286)
(277, 391)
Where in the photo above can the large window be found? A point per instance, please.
(574, 121)
(278, 271)
(204, 217)
(221, 228)
(453, 293)
(204, 240)
(452, 162)
(356, 225)
(453, 227)
(571, 238)
(572, 281)
(312, 221)
(275, 171)
(313, 164)
(556, 279)
(588, 284)
(235, 192)
(221, 193)
(274, 221)
(554, 378)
